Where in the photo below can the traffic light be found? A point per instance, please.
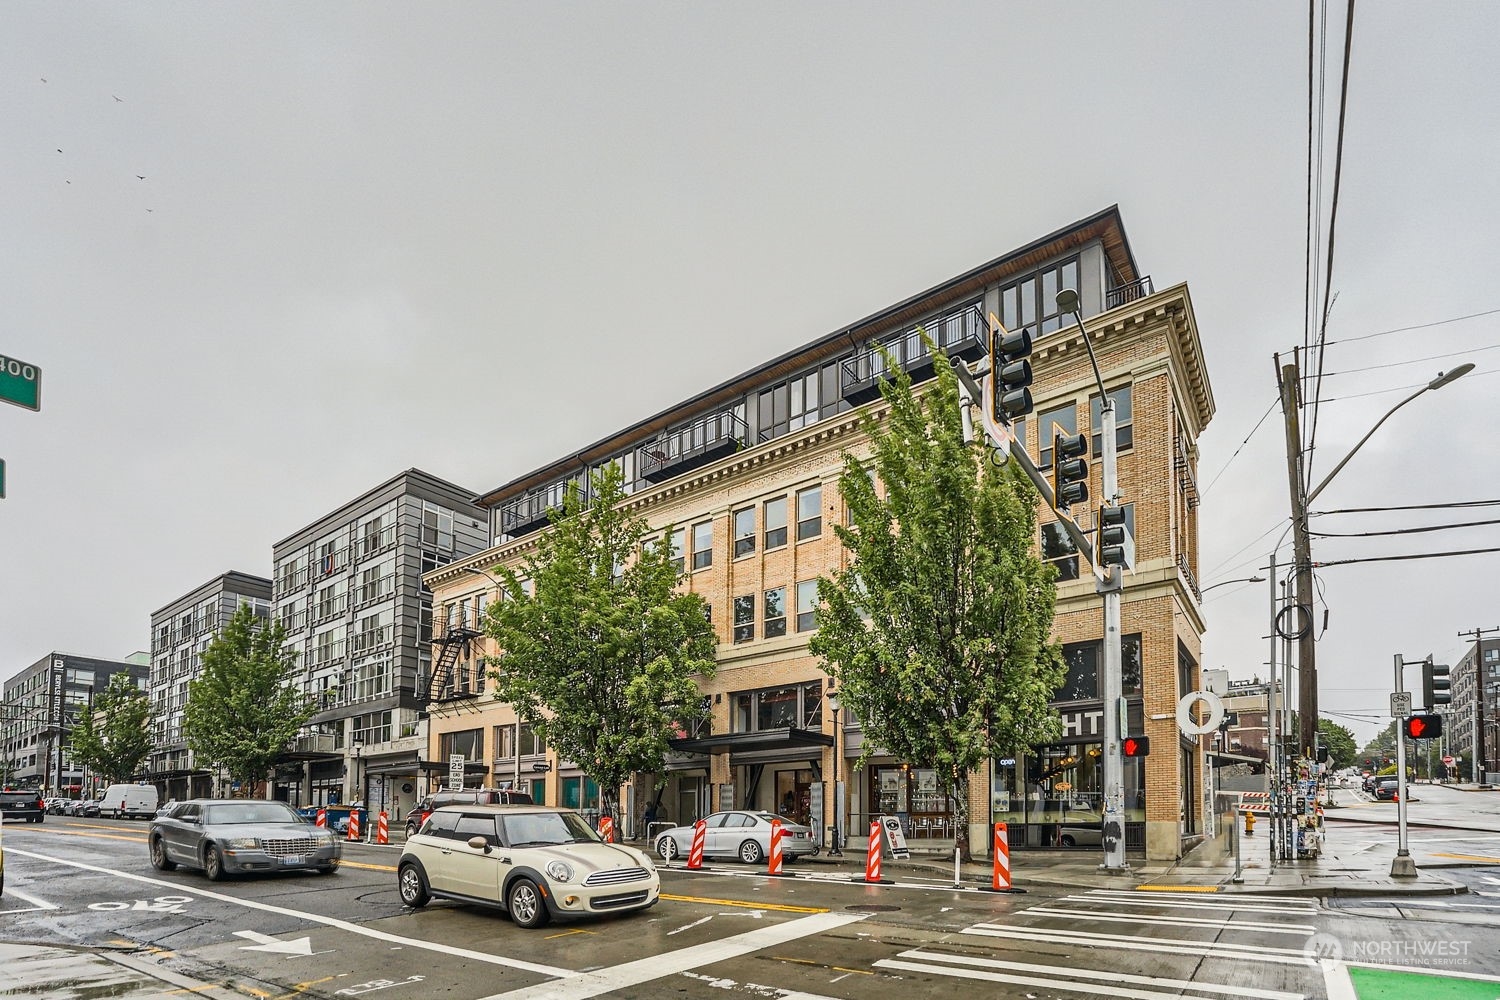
(1135, 746)
(1010, 372)
(1070, 469)
(1436, 689)
(1422, 727)
(1116, 544)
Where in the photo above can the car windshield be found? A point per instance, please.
(249, 812)
(542, 829)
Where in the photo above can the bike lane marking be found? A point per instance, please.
(344, 925)
(583, 985)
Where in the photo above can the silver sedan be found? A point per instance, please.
(743, 834)
(229, 836)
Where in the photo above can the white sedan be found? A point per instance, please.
(743, 834)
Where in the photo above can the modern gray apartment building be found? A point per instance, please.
(348, 590)
(180, 632)
(41, 704)
(1476, 700)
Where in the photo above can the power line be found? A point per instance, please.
(1414, 555)
(1402, 531)
(1410, 506)
(1241, 448)
(1419, 326)
(1413, 361)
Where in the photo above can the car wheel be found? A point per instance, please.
(411, 830)
(667, 848)
(525, 903)
(213, 864)
(751, 852)
(327, 869)
(159, 859)
(412, 885)
(1067, 840)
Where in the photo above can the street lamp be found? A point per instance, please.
(833, 708)
(1110, 587)
(1307, 687)
(1225, 583)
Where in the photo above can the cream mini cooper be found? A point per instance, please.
(534, 862)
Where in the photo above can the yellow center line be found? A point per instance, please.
(779, 907)
(1176, 888)
(361, 864)
(862, 972)
(575, 930)
(1466, 857)
(301, 988)
(93, 826)
(799, 961)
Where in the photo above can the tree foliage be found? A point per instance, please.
(600, 656)
(1338, 740)
(938, 633)
(244, 709)
(116, 744)
(1382, 746)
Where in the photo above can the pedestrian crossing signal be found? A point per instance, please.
(1135, 746)
(1423, 727)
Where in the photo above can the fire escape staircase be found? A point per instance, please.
(455, 636)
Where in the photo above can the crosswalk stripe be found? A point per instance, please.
(1185, 905)
(1249, 902)
(1146, 918)
(1108, 976)
(1092, 989)
(1217, 949)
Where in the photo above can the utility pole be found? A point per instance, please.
(1477, 748)
(1307, 677)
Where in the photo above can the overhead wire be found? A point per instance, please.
(1403, 531)
(1410, 556)
(1241, 448)
(1447, 505)
(1408, 329)
(1413, 361)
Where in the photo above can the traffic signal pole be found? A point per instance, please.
(1402, 865)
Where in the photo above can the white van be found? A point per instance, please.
(128, 801)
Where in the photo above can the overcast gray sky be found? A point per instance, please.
(269, 255)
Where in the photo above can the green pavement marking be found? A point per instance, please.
(1379, 984)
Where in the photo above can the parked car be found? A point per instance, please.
(166, 807)
(1386, 788)
(1369, 784)
(743, 834)
(1081, 828)
(85, 807)
(475, 796)
(56, 805)
(230, 836)
(534, 862)
(126, 801)
(22, 803)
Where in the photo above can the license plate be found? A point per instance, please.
(293, 859)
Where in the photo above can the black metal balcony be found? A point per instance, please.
(960, 334)
(533, 510)
(705, 440)
(1128, 292)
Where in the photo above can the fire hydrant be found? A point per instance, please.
(1249, 824)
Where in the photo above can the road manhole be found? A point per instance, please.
(873, 908)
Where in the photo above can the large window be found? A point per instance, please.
(797, 706)
(807, 605)
(1124, 427)
(532, 743)
(1084, 661)
(372, 728)
(437, 528)
(744, 532)
(1033, 299)
(775, 522)
(810, 513)
(679, 549)
(775, 612)
(703, 545)
(469, 742)
(744, 618)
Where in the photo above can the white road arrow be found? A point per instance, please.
(265, 942)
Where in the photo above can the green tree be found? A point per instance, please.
(120, 740)
(600, 657)
(1382, 746)
(938, 633)
(244, 709)
(1338, 740)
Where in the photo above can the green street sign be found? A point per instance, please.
(20, 383)
(2, 479)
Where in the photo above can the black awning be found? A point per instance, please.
(290, 756)
(766, 739)
(1222, 758)
(181, 772)
(404, 763)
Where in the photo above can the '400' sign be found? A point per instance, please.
(20, 383)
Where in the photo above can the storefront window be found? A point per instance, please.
(1055, 794)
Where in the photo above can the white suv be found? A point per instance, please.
(534, 862)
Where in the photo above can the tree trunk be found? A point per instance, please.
(960, 792)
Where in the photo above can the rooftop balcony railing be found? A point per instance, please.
(705, 440)
(531, 511)
(961, 334)
(1128, 292)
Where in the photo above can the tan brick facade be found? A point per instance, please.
(1150, 345)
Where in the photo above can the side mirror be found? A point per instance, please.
(479, 844)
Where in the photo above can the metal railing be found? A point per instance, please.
(1187, 574)
(703, 440)
(1128, 292)
(961, 333)
(530, 510)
